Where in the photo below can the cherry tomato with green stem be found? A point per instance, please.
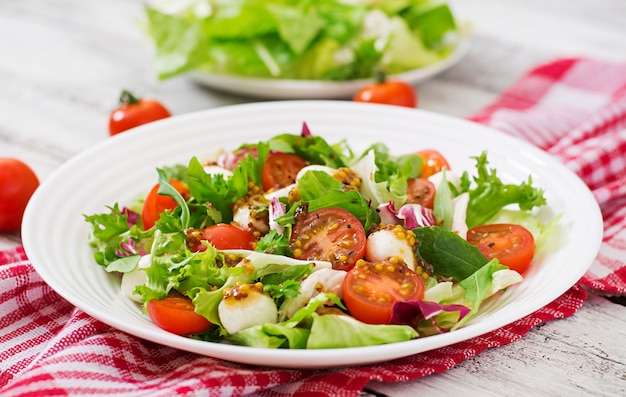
(133, 111)
(389, 92)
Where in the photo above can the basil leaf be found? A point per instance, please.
(448, 253)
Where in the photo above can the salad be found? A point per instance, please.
(294, 242)
(330, 40)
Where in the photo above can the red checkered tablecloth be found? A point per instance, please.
(574, 109)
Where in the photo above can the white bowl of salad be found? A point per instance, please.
(312, 233)
(302, 50)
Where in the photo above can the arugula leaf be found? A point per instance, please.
(352, 201)
(448, 253)
(490, 194)
(478, 287)
(166, 188)
(315, 184)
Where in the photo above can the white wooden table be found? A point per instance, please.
(63, 64)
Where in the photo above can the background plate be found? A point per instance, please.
(55, 234)
(314, 89)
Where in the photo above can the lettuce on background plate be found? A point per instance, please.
(330, 40)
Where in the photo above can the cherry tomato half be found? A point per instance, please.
(223, 237)
(389, 92)
(513, 245)
(175, 313)
(132, 112)
(18, 182)
(329, 234)
(155, 203)
(421, 191)
(371, 289)
(433, 162)
(280, 170)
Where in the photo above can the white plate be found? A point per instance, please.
(55, 233)
(317, 89)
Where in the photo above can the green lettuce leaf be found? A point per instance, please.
(489, 195)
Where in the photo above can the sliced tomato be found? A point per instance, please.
(513, 245)
(421, 191)
(371, 289)
(329, 234)
(223, 237)
(175, 313)
(156, 203)
(434, 162)
(280, 170)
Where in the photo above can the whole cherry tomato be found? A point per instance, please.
(223, 236)
(389, 92)
(132, 112)
(156, 203)
(17, 184)
(176, 313)
(433, 162)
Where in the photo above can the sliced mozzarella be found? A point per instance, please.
(383, 244)
(315, 167)
(135, 278)
(504, 278)
(451, 177)
(217, 170)
(284, 192)
(255, 309)
(243, 216)
(324, 280)
(459, 214)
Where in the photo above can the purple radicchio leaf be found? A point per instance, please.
(412, 312)
(305, 130)
(132, 216)
(388, 214)
(276, 210)
(128, 248)
(229, 160)
(416, 215)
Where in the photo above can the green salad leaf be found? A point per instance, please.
(489, 194)
(306, 39)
